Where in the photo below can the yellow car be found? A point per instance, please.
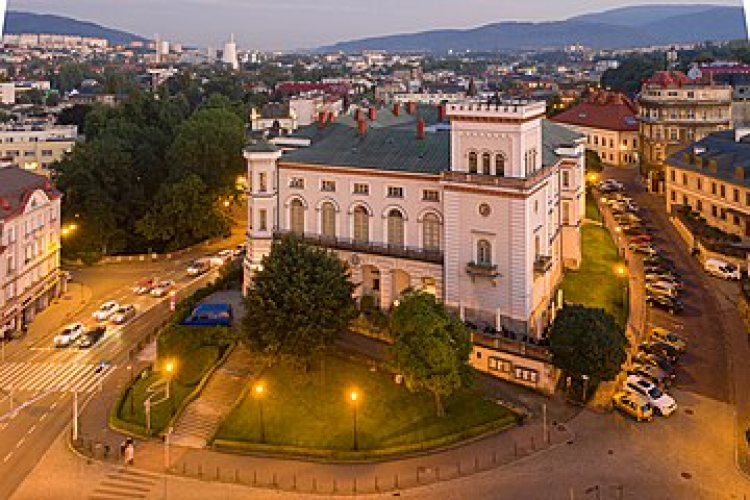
(633, 405)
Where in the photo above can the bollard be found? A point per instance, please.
(459, 468)
(354, 486)
(274, 484)
(515, 449)
(236, 475)
(200, 470)
(184, 468)
(494, 457)
(315, 485)
(533, 445)
(476, 464)
(294, 482)
(334, 486)
(377, 487)
(395, 481)
(417, 475)
(218, 473)
(255, 477)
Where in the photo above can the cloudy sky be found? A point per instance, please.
(290, 24)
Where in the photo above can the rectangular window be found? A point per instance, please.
(360, 188)
(673, 196)
(714, 211)
(736, 195)
(46, 152)
(395, 192)
(699, 205)
(566, 212)
(297, 183)
(328, 186)
(747, 198)
(430, 195)
(723, 191)
(566, 179)
(262, 182)
(713, 188)
(684, 179)
(28, 154)
(672, 175)
(262, 220)
(526, 374)
(11, 267)
(736, 220)
(698, 183)
(499, 364)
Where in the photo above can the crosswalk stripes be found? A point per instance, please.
(123, 484)
(61, 377)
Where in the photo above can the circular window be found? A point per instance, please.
(484, 210)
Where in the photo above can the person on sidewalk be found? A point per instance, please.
(129, 451)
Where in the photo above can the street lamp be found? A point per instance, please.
(354, 399)
(259, 391)
(169, 368)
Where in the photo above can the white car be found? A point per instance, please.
(123, 315)
(662, 288)
(662, 402)
(106, 310)
(162, 288)
(69, 335)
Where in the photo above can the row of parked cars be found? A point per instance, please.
(663, 284)
(205, 264)
(644, 391)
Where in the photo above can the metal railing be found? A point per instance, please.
(352, 245)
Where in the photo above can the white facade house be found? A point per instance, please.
(36, 146)
(485, 216)
(29, 247)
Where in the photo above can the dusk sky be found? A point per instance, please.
(290, 24)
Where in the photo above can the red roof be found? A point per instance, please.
(603, 110)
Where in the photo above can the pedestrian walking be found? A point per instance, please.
(129, 454)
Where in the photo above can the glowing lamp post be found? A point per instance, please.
(259, 392)
(354, 399)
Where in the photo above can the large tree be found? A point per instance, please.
(299, 302)
(586, 341)
(431, 347)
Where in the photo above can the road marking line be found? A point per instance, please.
(44, 415)
(7, 457)
(20, 443)
(31, 429)
(54, 405)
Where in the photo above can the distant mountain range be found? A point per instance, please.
(27, 22)
(614, 29)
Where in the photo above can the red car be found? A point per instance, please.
(144, 286)
(640, 238)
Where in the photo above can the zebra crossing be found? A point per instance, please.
(126, 483)
(59, 377)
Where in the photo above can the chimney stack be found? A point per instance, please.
(396, 109)
(362, 127)
(739, 173)
(372, 114)
(441, 113)
(411, 107)
(420, 129)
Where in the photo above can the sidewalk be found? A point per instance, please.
(280, 473)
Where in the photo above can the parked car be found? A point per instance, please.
(227, 255)
(106, 310)
(144, 286)
(721, 269)
(653, 373)
(635, 231)
(162, 288)
(659, 260)
(661, 288)
(198, 267)
(92, 337)
(645, 358)
(611, 184)
(660, 349)
(69, 335)
(660, 269)
(633, 405)
(663, 335)
(642, 247)
(123, 314)
(671, 305)
(662, 402)
(667, 278)
(640, 237)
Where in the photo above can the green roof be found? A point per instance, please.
(391, 143)
(261, 146)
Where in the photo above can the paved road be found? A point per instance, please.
(38, 381)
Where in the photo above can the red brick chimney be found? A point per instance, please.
(362, 127)
(411, 107)
(441, 113)
(396, 109)
(372, 113)
(420, 129)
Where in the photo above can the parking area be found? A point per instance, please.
(679, 293)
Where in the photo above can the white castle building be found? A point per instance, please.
(486, 215)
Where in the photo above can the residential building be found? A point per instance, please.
(485, 216)
(35, 146)
(675, 111)
(29, 247)
(608, 120)
(712, 177)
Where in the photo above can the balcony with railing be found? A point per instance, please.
(482, 270)
(370, 247)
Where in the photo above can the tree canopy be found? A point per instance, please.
(586, 341)
(299, 303)
(431, 347)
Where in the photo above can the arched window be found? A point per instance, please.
(297, 217)
(361, 225)
(473, 163)
(500, 165)
(484, 253)
(328, 220)
(395, 228)
(431, 232)
(486, 161)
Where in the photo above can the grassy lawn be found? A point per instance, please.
(595, 283)
(311, 412)
(592, 209)
(193, 351)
